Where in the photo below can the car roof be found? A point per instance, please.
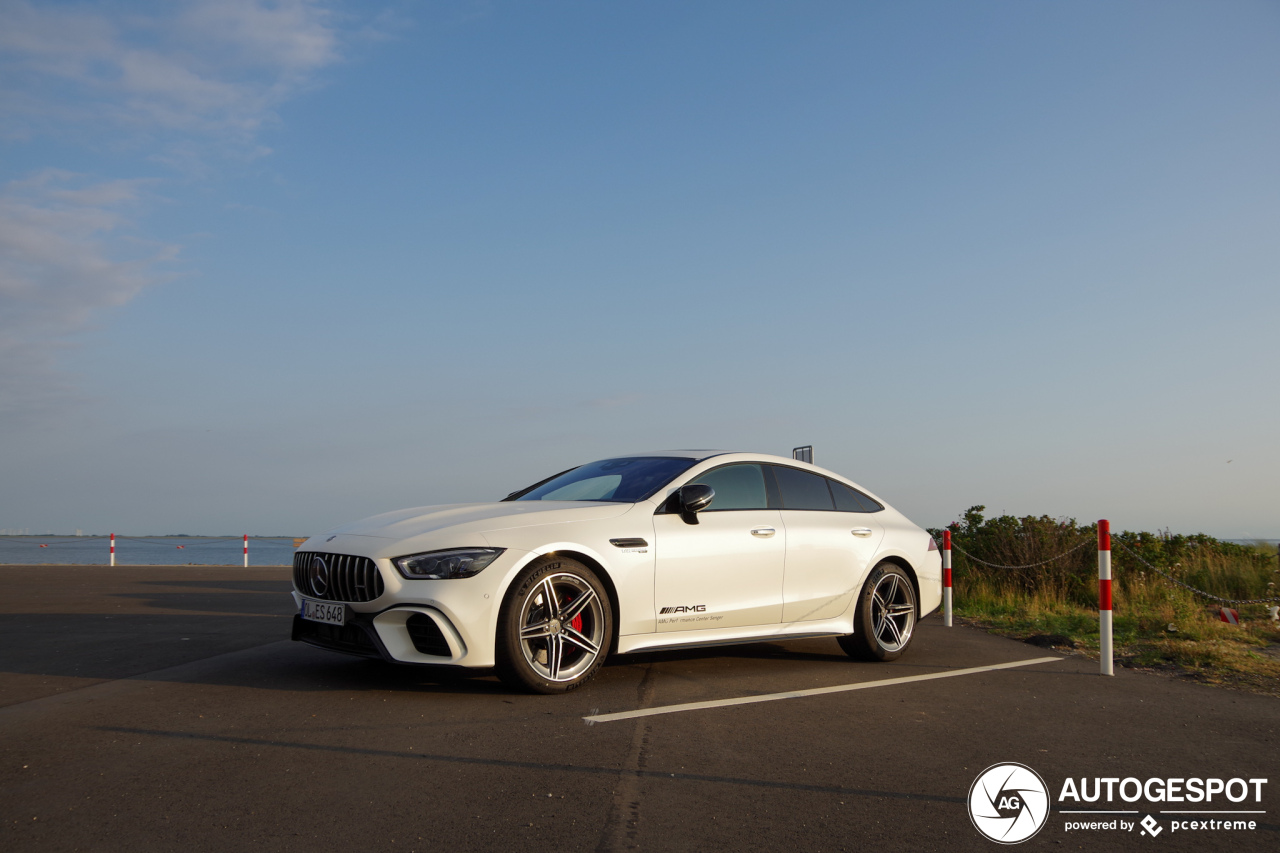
(743, 455)
(700, 455)
(697, 455)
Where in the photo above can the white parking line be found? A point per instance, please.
(815, 691)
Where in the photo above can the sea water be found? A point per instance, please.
(146, 550)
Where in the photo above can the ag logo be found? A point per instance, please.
(1008, 803)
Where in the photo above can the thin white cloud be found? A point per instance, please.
(185, 82)
(293, 36)
(216, 69)
(61, 261)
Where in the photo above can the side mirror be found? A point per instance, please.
(694, 499)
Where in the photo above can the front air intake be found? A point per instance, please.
(427, 636)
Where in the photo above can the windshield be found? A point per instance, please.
(629, 479)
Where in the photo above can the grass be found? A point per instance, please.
(1158, 626)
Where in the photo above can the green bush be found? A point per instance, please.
(1157, 623)
(1057, 558)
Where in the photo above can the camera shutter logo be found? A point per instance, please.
(1008, 803)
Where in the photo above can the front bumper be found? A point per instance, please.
(394, 622)
(352, 638)
(405, 634)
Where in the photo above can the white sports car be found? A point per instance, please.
(636, 553)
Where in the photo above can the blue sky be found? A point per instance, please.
(268, 267)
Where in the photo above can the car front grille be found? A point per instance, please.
(336, 577)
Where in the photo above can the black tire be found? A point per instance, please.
(556, 648)
(885, 621)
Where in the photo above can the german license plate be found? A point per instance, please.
(324, 611)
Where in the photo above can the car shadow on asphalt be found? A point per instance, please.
(275, 587)
(190, 648)
(343, 672)
(214, 596)
(236, 650)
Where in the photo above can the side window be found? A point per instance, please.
(852, 500)
(737, 487)
(802, 489)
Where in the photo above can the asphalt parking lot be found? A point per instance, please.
(165, 708)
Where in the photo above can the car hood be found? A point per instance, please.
(478, 517)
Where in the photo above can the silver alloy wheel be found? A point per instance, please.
(562, 627)
(893, 612)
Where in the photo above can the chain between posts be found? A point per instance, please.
(1132, 553)
(1068, 553)
(1188, 587)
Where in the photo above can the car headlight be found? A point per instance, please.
(454, 563)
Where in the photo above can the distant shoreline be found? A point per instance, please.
(83, 536)
(176, 550)
(120, 565)
(240, 537)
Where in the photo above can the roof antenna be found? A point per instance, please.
(804, 454)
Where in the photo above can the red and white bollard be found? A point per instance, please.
(946, 578)
(1105, 653)
(246, 550)
(113, 549)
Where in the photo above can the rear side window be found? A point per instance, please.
(802, 489)
(737, 487)
(852, 500)
(870, 503)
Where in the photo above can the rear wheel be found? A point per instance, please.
(886, 616)
(555, 627)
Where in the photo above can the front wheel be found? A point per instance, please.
(885, 618)
(555, 627)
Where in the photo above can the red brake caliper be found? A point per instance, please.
(576, 624)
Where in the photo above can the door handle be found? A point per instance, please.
(864, 532)
(763, 532)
